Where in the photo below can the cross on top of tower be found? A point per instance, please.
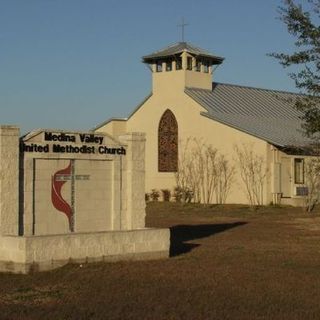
(182, 25)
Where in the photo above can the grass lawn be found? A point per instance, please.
(227, 262)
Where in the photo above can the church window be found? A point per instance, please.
(179, 64)
(169, 65)
(189, 63)
(159, 66)
(206, 66)
(198, 65)
(298, 171)
(168, 143)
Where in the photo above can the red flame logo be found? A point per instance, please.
(58, 202)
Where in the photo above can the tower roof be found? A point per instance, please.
(178, 48)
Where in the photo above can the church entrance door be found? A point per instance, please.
(286, 177)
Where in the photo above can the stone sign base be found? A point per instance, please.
(40, 253)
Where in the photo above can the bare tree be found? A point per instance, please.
(204, 172)
(224, 179)
(253, 172)
(312, 182)
(206, 159)
(196, 168)
(182, 175)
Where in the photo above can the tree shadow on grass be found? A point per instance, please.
(180, 234)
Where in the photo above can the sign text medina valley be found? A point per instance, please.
(91, 144)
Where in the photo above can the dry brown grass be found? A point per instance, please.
(228, 262)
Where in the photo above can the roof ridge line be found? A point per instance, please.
(257, 88)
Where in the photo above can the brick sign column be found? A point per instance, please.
(133, 179)
(9, 180)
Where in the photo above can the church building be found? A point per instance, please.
(185, 104)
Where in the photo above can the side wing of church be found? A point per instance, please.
(185, 105)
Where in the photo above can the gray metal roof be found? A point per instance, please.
(266, 114)
(180, 47)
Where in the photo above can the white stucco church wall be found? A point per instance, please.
(224, 118)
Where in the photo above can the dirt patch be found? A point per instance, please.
(32, 295)
(308, 223)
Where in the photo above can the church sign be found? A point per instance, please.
(74, 179)
(73, 196)
(65, 143)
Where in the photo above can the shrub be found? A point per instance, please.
(155, 194)
(183, 195)
(177, 194)
(166, 194)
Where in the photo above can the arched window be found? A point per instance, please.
(168, 143)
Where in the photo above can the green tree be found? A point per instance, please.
(302, 22)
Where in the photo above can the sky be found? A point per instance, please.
(72, 64)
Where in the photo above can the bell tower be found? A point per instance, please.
(181, 65)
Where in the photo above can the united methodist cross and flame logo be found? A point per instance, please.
(57, 182)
